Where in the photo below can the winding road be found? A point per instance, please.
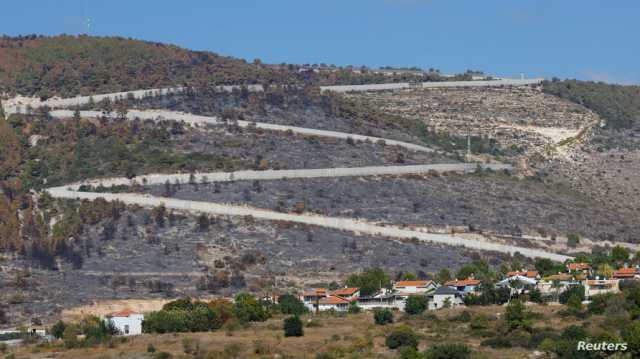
(72, 191)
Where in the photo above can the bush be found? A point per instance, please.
(479, 321)
(402, 337)
(382, 316)
(162, 355)
(578, 290)
(448, 351)
(354, 308)
(293, 327)
(598, 303)
(151, 348)
(496, 342)
(416, 304)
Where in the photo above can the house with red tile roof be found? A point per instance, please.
(627, 273)
(412, 287)
(578, 267)
(347, 293)
(333, 302)
(127, 322)
(469, 285)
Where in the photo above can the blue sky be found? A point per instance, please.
(586, 39)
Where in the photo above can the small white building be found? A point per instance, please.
(444, 296)
(333, 302)
(127, 322)
(382, 300)
(601, 286)
(409, 287)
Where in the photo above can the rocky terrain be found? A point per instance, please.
(135, 257)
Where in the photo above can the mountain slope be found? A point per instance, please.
(70, 65)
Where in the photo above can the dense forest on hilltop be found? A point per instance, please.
(618, 104)
(67, 66)
(70, 65)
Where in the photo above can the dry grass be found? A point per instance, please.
(354, 336)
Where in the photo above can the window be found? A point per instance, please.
(126, 329)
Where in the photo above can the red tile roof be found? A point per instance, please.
(412, 283)
(528, 274)
(123, 313)
(462, 282)
(626, 273)
(579, 266)
(332, 300)
(345, 291)
(315, 292)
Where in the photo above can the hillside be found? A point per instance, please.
(52, 248)
(72, 65)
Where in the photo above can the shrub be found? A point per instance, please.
(416, 304)
(354, 308)
(576, 289)
(496, 342)
(598, 303)
(448, 351)
(479, 321)
(151, 348)
(382, 316)
(162, 355)
(293, 327)
(402, 337)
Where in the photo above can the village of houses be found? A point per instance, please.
(446, 295)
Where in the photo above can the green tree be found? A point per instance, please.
(577, 290)
(290, 304)
(57, 330)
(293, 327)
(247, 309)
(369, 281)
(619, 254)
(574, 304)
(517, 316)
(416, 304)
(631, 335)
(443, 276)
(382, 316)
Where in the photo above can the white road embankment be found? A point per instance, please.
(444, 84)
(345, 224)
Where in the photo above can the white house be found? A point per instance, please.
(444, 296)
(382, 300)
(127, 322)
(600, 286)
(406, 288)
(333, 302)
(517, 283)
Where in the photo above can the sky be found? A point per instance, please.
(584, 39)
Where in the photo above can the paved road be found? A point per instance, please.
(346, 224)
(301, 173)
(196, 119)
